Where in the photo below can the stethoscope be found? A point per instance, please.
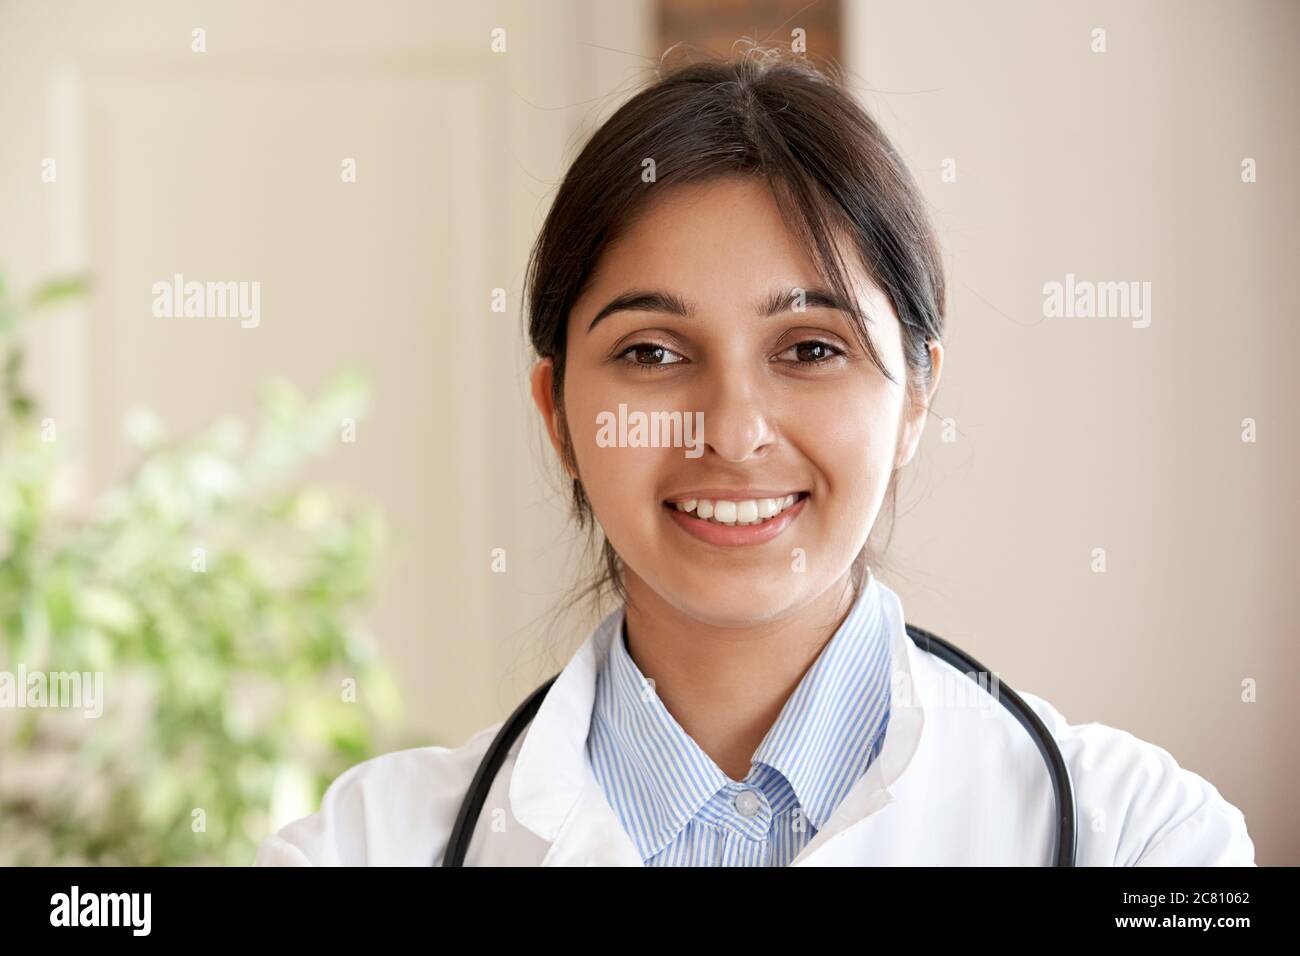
(1062, 788)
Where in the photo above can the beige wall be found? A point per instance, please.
(1070, 434)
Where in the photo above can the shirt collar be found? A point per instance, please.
(554, 794)
(822, 742)
(834, 723)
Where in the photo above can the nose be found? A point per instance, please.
(738, 419)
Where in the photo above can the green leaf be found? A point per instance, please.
(217, 676)
(60, 290)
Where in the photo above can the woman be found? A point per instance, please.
(737, 306)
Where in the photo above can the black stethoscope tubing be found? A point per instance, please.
(1062, 788)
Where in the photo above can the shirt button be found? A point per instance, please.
(747, 803)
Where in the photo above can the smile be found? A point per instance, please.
(736, 522)
(750, 511)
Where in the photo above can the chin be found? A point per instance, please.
(735, 600)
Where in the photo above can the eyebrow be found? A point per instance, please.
(667, 303)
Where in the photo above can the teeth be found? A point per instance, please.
(746, 512)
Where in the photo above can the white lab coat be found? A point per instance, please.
(958, 781)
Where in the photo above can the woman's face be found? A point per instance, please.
(709, 327)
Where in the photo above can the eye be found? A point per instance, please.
(812, 352)
(648, 356)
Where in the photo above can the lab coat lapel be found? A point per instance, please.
(553, 791)
(841, 842)
(593, 835)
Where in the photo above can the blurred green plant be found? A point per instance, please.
(219, 596)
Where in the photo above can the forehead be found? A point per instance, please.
(730, 226)
(716, 241)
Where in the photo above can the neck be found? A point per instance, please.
(726, 685)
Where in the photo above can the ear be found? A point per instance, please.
(543, 378)
(914, 415)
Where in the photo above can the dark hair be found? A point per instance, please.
(768, 114)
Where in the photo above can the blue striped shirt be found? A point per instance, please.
(681, 809)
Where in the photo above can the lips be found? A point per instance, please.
(736, 522)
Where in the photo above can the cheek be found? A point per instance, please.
(851, 435)
(617, 481)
